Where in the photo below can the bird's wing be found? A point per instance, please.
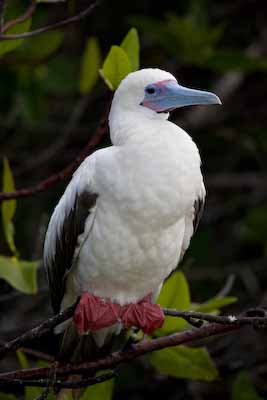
(66, 224)
(198, 211)
(192, 219)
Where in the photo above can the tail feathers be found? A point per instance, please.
(76, 349)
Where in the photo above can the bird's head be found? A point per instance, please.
(159, 92)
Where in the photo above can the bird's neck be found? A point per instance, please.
(135, 126)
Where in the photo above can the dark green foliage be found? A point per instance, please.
(243, 389)
(184, 362)
(206, 44)
(18, 273)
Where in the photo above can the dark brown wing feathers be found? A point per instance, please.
(199, 207)
(73, 226)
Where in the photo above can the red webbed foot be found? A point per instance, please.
(143, 315)
(93, 313)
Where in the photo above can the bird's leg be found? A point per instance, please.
(143, 315)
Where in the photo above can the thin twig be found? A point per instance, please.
(2, 12)
(86, 382)
(226, 289)
(37, 354)
(64, 173)
(50, 379)
(22, 18)
(43, 395)
(256, 319)
(34, 353)
(37, 332)
(197, 323)
(225, 87)
(54, 148)
(57, 25)
(58, 384)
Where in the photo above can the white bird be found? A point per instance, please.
(129, 212)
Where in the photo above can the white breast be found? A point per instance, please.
(145, 192)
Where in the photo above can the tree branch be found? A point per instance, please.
(39, 355)
(64, 173)
(57, 25)
(116, 358)
(220, 181)
(40, 376)
(68, 129)
(43, 395)
(258, 317)
(57, 384)
(28, 14)
(2, 11)
(37, 332)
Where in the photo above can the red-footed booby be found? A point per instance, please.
(129, 212)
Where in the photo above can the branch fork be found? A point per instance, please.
(207, 325)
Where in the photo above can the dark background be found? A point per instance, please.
(214, 45)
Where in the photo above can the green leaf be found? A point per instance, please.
(90, 66)
(23, 361)
(214, 304)
(10, 45)
(19, 274)
(32, 393)
(29, 270)
(9, 206)
(131, 46)
(42, 364)
(103, 391)
(116, 66)
(5, 396)
(41, 46)
(185, 362)
(243, 389)
(174, 294)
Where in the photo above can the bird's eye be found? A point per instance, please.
(150, 90)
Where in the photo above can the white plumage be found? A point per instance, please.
(146, 186)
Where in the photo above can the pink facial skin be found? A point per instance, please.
(162, 87)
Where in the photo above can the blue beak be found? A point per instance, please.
(168, 95)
